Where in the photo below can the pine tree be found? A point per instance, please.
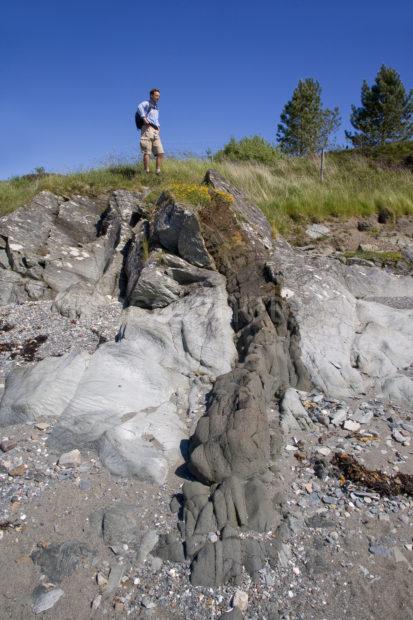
(305, 126)
(386, 112)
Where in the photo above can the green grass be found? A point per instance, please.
(376, 256)
(288, 191)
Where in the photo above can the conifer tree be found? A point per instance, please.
(305, 126)
(386, 111)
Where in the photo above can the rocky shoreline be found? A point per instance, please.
(178, 391)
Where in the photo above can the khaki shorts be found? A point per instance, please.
(150, 141)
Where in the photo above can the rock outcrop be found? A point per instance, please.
(220, 325)
(355, 324)
(135, 399)
(234, 442)
(69, 248)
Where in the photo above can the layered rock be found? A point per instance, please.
(355, 323)
(56, 245)
(133, 400)
(232, 447)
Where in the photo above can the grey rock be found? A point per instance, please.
(294, 414)
(261, 514)
(72, 241)
(147, 602)
(60, 560)
(401, 436)
(115, 576)
(381, 550)
(363, 416)
(233, 614)
(42, 390)
(339, 417)
(350, 340)
(136, 432)
(175, 504)
(217, 563)
(148, 542)
(78, 300)
(316, 231)
(253, 557)
(178, 230)
(169, 548)
(119, 525)
(44, 599)
(70, 459)
(407, 253)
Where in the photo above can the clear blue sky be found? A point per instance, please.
(71, 73)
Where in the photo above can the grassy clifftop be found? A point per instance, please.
(288, 190)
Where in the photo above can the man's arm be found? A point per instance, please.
(143, 110)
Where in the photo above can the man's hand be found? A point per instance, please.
(145, 120)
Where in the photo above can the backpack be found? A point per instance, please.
(138, 120)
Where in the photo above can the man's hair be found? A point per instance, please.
(154, 90)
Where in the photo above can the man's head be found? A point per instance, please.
(155, 94)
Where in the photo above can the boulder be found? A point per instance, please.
(355, 324)
(44, 389)
(177, 228)
(72, 241)
(317, 231)
(78, 300)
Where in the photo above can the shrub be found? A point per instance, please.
(254, 149)
(192, 193)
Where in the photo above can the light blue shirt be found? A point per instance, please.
(150, 111)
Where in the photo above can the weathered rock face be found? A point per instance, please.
(230, 449)
(132, 400)
(56, 245)
(203, 310)
(355, 323)
(142, 383)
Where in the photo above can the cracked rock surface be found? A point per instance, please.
(180, 391)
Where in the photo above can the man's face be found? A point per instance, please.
(156, 96)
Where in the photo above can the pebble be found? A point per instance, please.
(328, 499)
(8, 444)
(240, 600)
(324, 451)
(401, 436)
(350, 425)
(147, 602)
(42, 426)
(339, 417)
(96, 601)
(70, 459)
(101, 581)
(20, 470)
(363, 416)
(318, 398)
(381, 550)
(174, 505)
(47, 600)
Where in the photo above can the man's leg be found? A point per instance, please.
(159, 159)
(146, 160)
(146, 148)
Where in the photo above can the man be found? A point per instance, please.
(150, 141)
